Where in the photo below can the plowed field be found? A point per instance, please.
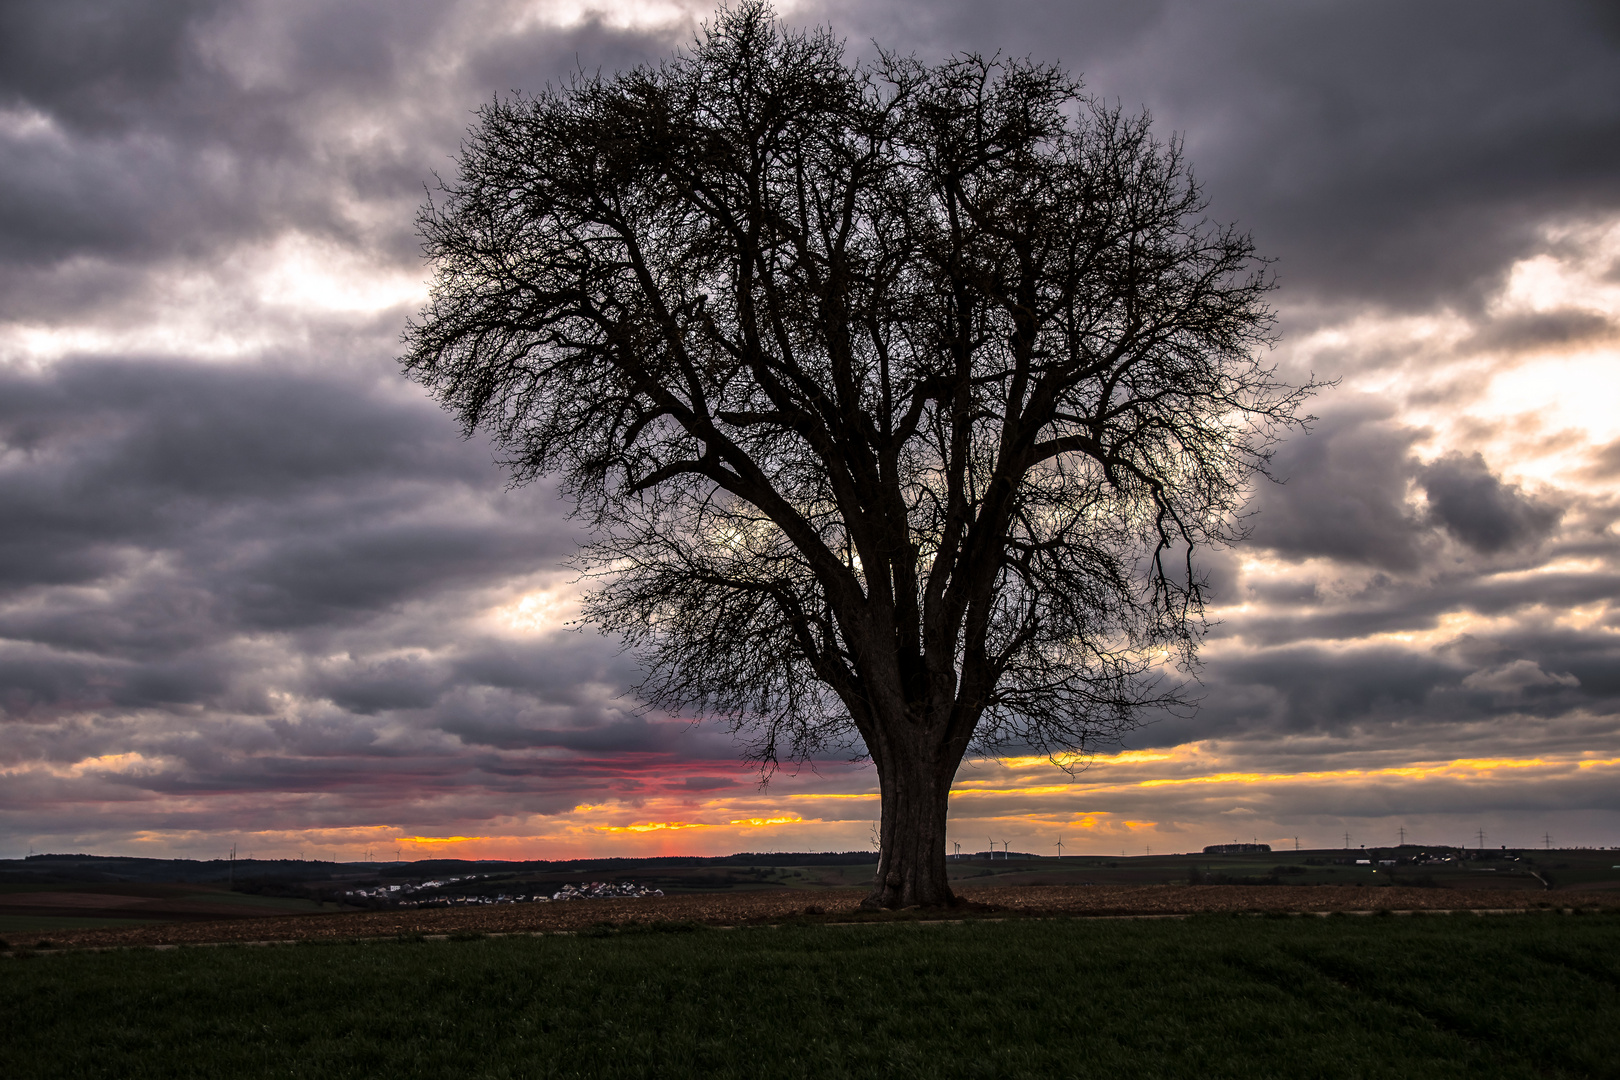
(829, 905)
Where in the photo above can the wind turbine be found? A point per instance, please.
(1060, 847)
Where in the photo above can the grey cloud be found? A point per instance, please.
(1477, 508)
(107, 456)
(706, 783)
(1386, 605)
(1535, 686)
(1605, 462)
(1526, 679)
(372, 686)
(1343, 493)
(153, 514)
(1542, 330)
(1315, 690)
(554, 667)
(1482, 799)
(36, 683)
(94, 63)
(492, 691)
(1590, 658)
(529, 61)
(174, 130)
(1381, 151)
(1516, 678)
(623, 737)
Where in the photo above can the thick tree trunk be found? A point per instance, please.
(916, 787)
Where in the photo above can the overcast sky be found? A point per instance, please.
(255, 590)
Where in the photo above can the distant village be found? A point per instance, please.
(408, 895)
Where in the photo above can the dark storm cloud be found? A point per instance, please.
(151, 512)
(311, 492)
(125, 143)
(1388, 605)
(1341, 492)
(1543, 329)
(706, 783)
(159, 131)
(1481, 511)
(1399, 153)
(91, 63)
(188, 548)
(1546, 692)
(1332, 660)
(1403, 154)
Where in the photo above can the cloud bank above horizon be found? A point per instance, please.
(255, 589)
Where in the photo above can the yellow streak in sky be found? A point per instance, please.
(438, 839)
(1478, 765)
(1465, 768)
(832, 795)
(652, 826)
(1460, 768)
(1124, 757)
(793, 820)
(1033, 789)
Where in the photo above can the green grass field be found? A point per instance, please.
(1424, 996)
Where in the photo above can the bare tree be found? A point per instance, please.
(899, 398)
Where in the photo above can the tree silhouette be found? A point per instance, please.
(899, 398)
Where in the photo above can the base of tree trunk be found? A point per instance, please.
(911, 870)
(901, 884)
(874, 902)
(892, 895)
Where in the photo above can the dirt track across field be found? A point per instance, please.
(826, 905)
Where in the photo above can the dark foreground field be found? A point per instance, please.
(1427, 996)
(819, 905)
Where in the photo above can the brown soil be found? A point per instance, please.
(828, 905)
(157, 902)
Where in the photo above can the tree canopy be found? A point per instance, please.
(899, 398)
